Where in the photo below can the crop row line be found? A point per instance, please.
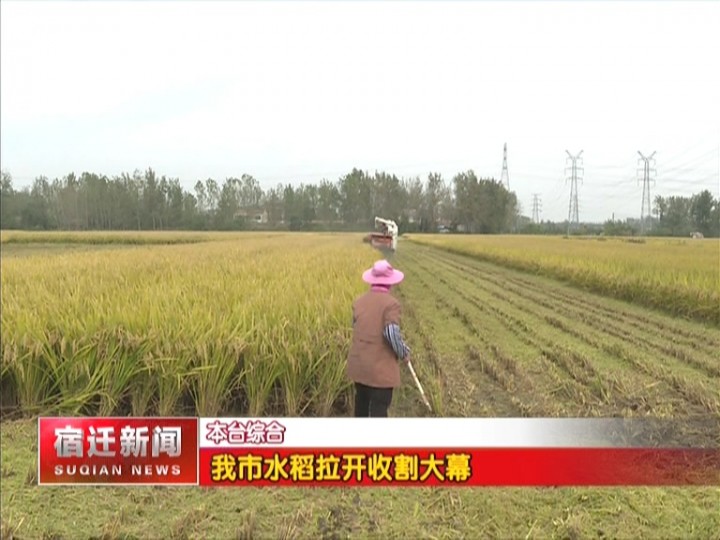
(680, 385)
(593, 322)
(526, 286)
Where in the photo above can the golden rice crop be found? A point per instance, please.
(248, 324)
(123, 237)
(677, 275)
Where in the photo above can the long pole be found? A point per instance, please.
(417, 383)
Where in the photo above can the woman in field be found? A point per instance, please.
(377, 345)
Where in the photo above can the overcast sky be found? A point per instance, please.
(300, 91)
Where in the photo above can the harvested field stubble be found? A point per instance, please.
(514, 344)
(681, 277)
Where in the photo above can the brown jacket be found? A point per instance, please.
(371, 360)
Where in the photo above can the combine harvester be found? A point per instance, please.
(386, 239)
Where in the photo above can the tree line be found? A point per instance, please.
(681, 216)
(671, 216)
(466, 203)
(146, 201)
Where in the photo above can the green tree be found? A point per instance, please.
(8, 203)
(677, 219)
(701, 211)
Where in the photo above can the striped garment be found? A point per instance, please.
(394, 338)
(392, 334)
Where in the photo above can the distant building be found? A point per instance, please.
(256, 215)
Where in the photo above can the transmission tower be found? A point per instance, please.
(505, 177)
(646, 212)
(573, 214)
(536, 208)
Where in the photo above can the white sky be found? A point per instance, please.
(299, 91)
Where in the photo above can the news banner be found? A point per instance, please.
(237, 452)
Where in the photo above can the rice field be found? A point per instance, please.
(259, 324)
(680, 276)
(510, 343)
(254, 324)
(99, 238)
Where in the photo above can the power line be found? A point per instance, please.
(646, 212)
(505, 176)
(573, 213)
(536, 208)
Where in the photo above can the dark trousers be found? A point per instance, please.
(371, 401)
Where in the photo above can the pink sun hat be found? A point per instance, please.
(382, 273)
